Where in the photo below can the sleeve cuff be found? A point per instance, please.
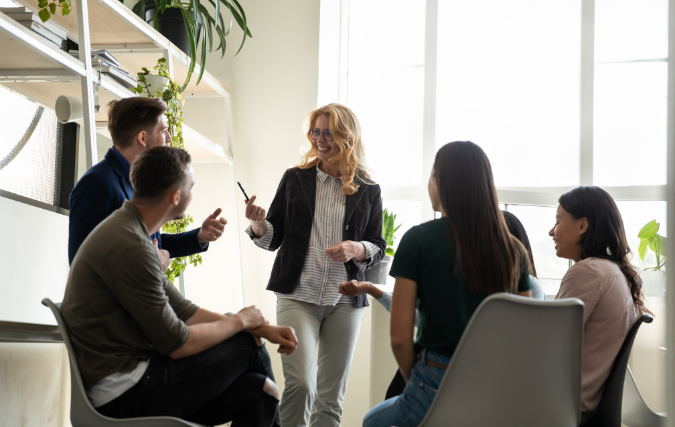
(265, 241)
(371, 250)
(385, 301)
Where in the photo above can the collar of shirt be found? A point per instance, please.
(322, 176)
(125, 164)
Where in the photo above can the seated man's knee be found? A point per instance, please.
(271, 388)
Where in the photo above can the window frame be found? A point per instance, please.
(533, 196)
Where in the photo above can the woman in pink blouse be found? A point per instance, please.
(589, 231)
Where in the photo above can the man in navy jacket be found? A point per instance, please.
(135, 124)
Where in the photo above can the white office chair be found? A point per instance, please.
(82, 414)
(518, 364)
(634, 410)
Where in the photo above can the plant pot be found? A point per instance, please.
(653, 283)
(156, 83)
(379, 273)
(171, 25)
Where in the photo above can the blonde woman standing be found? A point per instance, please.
(326, 222)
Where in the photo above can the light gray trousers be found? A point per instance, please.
(317, 381)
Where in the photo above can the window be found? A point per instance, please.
(557, 93)
(508, 79)
(631, 66)
(385, 79)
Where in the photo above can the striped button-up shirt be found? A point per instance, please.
(321, 275)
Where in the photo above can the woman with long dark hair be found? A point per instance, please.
(589, 231)
(447, 267)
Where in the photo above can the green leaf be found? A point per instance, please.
(642, 250)
(649, 230)
(42, 3)
(44, 15)
(659, 243)
(191, 33)
(242, 23)
(52, 8)
(663, 245)
(217, 11)
(389, 251)
(162, 6)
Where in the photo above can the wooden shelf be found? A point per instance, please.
(133, 42)
(37, 69)
(22, 49)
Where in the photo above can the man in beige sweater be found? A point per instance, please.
(145, 350)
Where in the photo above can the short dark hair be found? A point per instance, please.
(157, 170)
(129, 116)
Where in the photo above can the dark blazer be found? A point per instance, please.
(291, 214)
(101, 191)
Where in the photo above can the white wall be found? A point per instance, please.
(215, 285)
(34, 390)
(34, 254)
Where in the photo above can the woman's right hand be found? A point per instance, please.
(256, 215)
(251, 318)
(354, 288)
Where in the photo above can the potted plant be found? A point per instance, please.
(653, 278)
(163, 86)
(379, 273)
(181, 22)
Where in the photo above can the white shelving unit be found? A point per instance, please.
(40, 71)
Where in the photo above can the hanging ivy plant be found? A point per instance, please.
(173, 97)
(48, 9)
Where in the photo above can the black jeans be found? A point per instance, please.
(219, 385)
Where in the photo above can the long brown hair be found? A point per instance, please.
(487, 256)
(351, 158)
(605, 237)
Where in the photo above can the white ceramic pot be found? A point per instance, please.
(653, 283)
(379, 273)
(157, 83)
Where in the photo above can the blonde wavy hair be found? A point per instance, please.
(351, 158)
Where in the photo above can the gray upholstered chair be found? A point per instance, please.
(517, 364)
(82, 414)
(634, 410)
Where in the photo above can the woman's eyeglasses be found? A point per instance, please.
(316, 132)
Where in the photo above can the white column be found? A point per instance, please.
(586, 82)
(429, 121)
(87, 83)
(670, 262)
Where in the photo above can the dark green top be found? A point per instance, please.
(426, 256)
(119, 306)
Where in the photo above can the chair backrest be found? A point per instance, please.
(517, 364)
(82, 414)
(634, 410)
(608, 412)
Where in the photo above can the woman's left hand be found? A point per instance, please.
(347, 250)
